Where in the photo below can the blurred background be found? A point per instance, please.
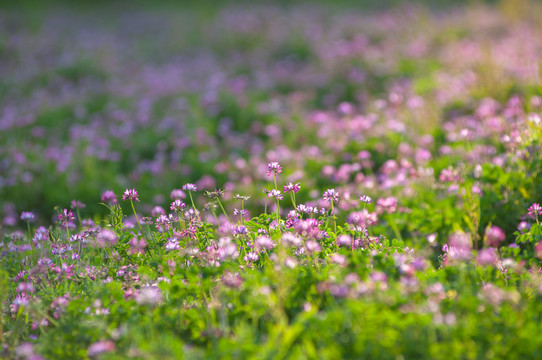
(105, 95)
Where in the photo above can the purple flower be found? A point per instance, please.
(275, 193)
(148, 295)
(28, 216)
(291, 188)
(251, 256)
(65, 217)
(366, 199)
(76, 204)
(163, 223)
(534, 210)
(331, 195)
(273, 168)
(495, 235)
(130, 194)
(344, 240)
(388, 205)
(177, 205)
(177, 194)
(109, 197)
(487, 257)
(172, 244)
(190, 187)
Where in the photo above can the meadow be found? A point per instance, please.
(271, 181)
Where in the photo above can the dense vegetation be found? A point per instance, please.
(272, 182)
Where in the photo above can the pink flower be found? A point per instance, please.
(130, 194)
(273, 168)
(495, 235)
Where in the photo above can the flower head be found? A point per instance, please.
(495, 235)
(66, 216)
(534, 210)
(177, 194)
(275, 193)
(190, 187)
(366, 199)
(130, 194)
(28, 216)
(76, 204)
(177, 205)
(331, 195)
(291, 188)
(273, 168)
(241, 197)
(109, 197)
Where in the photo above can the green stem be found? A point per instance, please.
(29, 232)
(223, 210)
(137, 219)
(395, 228)
(192, 200)
(278, 215)
(333, 215)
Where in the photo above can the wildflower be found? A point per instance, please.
(137, 246)
(217, 193)
(331, 195)
(487, 257)
(109, 197)
(534, 210)
(291, 188)
(344, 240)
(148, 295)
(65, 217)
(106, 237)
(241, 212)
(251, 256)
(100, 347)
(190, 187)
(273, 168)
(130, 194)
(366, 199)
(275, 193)
(76, 204)
(163, 223)
(241, 230)
(28, 216)
(239, 197)
(232, 280)
(388, 205)
(494, 235)
(177, 194)
(177, 205)
(263, 242)
(172, 244)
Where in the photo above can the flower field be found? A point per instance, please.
(271, 181)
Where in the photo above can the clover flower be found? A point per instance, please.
(273, 168)
(190, 187)
(28, 216)
(76, 204)
(275, 193)
(130, 194)
(534, 210)
(495, 235)
(177, 205)
(177, 194)
(109, 197)
(366, 199)
(66, 216)
(291, 188)
(331, 195)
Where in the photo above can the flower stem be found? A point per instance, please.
(137, 219)
(223, 210)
